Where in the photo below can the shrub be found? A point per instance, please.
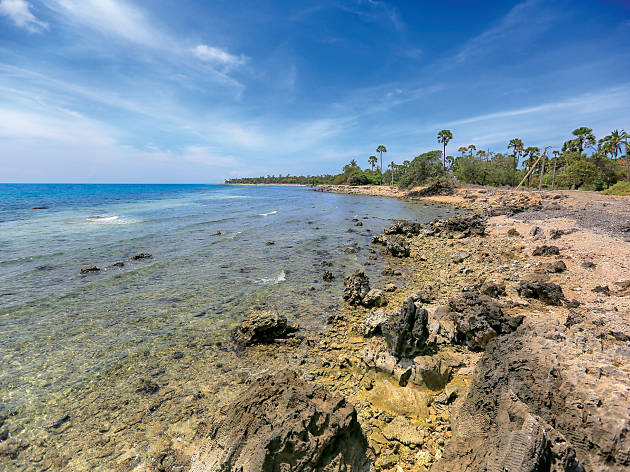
(620, 188)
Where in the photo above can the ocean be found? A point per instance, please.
(217, 253)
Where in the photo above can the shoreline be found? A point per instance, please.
(417, 424)
(421, 425)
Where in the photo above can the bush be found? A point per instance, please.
(620, 188)
(358, 177)
(425, 168)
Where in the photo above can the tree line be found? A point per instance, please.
(583, 162)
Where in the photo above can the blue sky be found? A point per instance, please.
(197, 91)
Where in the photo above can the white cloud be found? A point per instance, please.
(20, 12)
(217, 55)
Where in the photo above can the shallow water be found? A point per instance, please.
(63, 331)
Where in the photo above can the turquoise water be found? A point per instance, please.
(61, 329)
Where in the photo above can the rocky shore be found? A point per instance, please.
(505, 348)
(498, 339)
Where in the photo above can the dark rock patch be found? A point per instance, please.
(545, 250)
(262, 327)
(89, 269)
(546, 292)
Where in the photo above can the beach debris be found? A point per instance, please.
(283, 423)
(262, 327)
(88, 269)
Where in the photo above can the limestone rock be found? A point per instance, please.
(356, 287)
(281, 423)
(547, 292)
(262, 327)
(406, 331)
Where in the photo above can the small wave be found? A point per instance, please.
(109, 220)
(267, 214)
(274, 280)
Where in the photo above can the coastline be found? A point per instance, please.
(412, 423)
(424, 425)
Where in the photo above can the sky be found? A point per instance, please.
(192, 91)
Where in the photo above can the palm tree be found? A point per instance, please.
(584, 138)
(517, 146)
(353, 163)
(463, 149)
(612, 144)
(381, 149)
(444, 137)
(392, 167)
(372, 160)
(472, 148)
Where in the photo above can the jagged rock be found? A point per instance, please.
(406, 331)
(88, 269)
(438, 188)
(546, 292)
(404, 227)
(373, 322)
(397, 246)
(545, 250)
(379, 239)
(262, 327)
(281, 423)
(494, 290)
(463, 226)
(374, 298)
(356, 287)
(478, 319)
(541, 400)
(328, 276)
(118, 264)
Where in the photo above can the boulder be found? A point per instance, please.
(397, 246)
(262, 327)
(545, 250)
(404, 227)
(546, 292)
(356, 287)
(556, 267)
(281, 423)
(494, 290)
(406, 331)
(374, 298)
(373, 322)
(478, 319)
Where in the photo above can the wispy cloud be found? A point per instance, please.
(516, 26)
(20, 12)
(217, 56)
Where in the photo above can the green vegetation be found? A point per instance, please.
(620, 188)
(582, 163)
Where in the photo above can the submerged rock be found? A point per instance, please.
(141, 255)
(262, 327)
(328, 276)
(283, 424)
(88, 269)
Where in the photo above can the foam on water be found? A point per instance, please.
(269, 213)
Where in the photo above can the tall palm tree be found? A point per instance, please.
(584, 138)
(381, 149)
(612, 144)
(392, 167)
(517, 147)
(444, 137)
(372, 160)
